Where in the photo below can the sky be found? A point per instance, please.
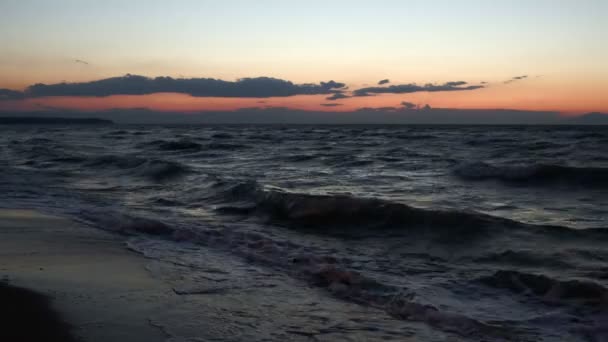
(197, 55)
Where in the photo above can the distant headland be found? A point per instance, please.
(34, 120)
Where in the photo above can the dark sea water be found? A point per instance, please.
(330, 233)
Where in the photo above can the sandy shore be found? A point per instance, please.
(98, 286)
(108, 293)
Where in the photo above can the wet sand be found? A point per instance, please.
(101, 289)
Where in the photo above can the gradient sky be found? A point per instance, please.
(559, 45)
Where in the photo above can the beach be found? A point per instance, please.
(77, 283)
(96, 285)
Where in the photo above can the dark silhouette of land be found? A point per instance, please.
(38, 120)
(388, 115)
(594, 118)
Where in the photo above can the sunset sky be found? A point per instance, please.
(530, 55)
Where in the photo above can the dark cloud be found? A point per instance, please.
(516, 78)
(8, 94)
(49, 108)
(332, 85)
(331, 104)
(377, 109)
(337, 96)
(408, 105)
(259, 87)
(80, 61)
(362, 94)
(455, 84)
(385, 81)
(413, 88)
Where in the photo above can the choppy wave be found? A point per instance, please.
(415, 136)
(549, 289)
(35, 141)
(357, 288)
(226, 146)
(525, 258)
(222, 136)
(541, 174)
(189, 145)
(160, 170)
(117, 161)
(176, 145)
(69, 159)
(331, 212)
(300, 158)
(347, 215)
(154, 169)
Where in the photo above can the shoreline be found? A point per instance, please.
(92, 281)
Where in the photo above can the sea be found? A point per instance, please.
(341, 233)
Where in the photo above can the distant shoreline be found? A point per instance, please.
(285, 116)
(33, 120)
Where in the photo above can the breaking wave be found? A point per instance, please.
(329, 213)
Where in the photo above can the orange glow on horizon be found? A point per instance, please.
(537, 94)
